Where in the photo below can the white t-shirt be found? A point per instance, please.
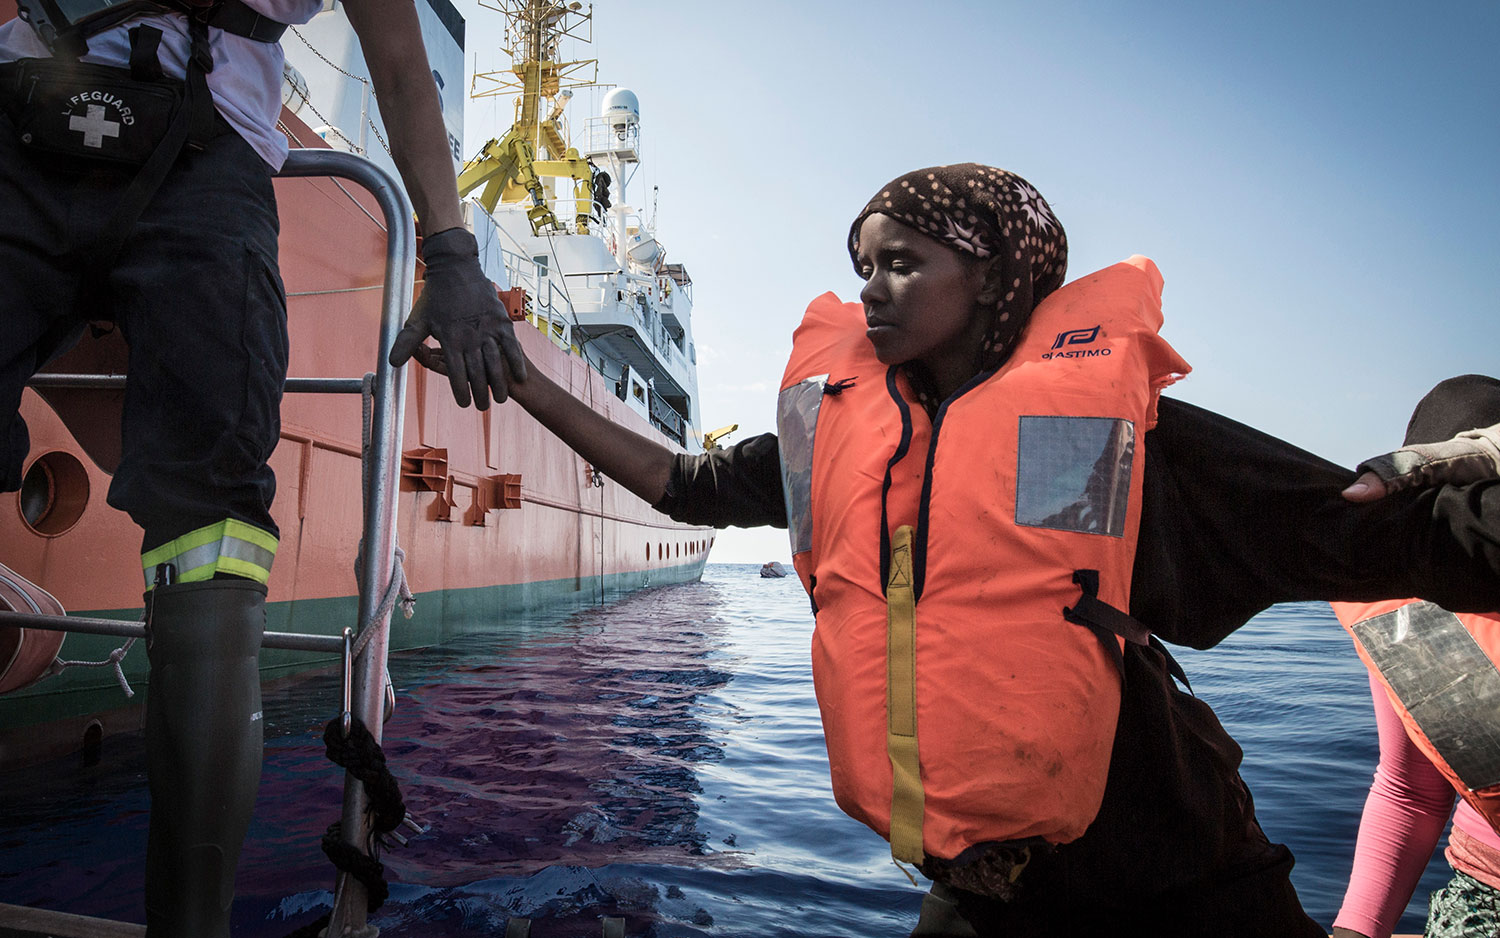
(246, 80)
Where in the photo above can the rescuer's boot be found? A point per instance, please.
(203, 749)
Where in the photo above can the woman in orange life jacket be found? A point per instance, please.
(1230, 522)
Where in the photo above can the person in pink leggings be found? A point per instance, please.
(1408, 806)
(1410, 800)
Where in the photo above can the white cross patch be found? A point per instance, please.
(94, 127)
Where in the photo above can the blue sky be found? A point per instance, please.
(1317, 181)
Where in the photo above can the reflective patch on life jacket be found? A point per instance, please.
(229, 546)
(1073, 473)
(796, 424)
(1445, 681)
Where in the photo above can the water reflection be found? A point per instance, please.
(657, 759)
(576, 745)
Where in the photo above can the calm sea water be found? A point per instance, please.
(658, 758)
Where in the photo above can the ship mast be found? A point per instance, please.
(510, 168)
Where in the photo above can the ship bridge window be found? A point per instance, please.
(541, 265)
(692, 353)
(639, 392)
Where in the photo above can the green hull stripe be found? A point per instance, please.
(440, 616)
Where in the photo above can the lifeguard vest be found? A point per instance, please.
(941, 555)
(1439, 670)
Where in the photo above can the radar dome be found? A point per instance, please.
(622, 109)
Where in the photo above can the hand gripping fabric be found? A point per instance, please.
(1471, 456)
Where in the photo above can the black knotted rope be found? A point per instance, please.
(361, 756)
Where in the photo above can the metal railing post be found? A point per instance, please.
(377, 559)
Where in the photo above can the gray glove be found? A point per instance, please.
(460, 309)
(1471, 456)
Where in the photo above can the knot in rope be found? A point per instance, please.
(60, 665)
(363, 867)
(360, 755)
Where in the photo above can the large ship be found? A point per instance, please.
(495, 516)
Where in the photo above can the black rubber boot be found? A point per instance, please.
(204, 737)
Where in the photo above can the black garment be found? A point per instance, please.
(1233, 521)
(195, 293)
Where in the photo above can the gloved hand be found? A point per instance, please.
(460, 309)
(1472, 456)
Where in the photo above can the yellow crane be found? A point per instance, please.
(508, 169)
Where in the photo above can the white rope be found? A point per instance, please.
(395, 591)
(58, 665)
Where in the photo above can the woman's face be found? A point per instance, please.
(919, 298)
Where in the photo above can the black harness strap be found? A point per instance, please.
(193, 126)
(1173, 667)
(233, 16)
(1104, 619)
(1091, 610)
(145, 64)
(66, 37)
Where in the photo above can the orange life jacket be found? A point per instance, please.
(1439, 670)
(940, 555)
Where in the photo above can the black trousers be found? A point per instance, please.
(1175, 851)
(197, 296)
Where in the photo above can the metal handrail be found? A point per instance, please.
(121, 628)
(377, 559)
(117, 383)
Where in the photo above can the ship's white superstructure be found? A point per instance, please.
(597, 278)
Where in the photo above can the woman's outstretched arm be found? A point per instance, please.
(641, 465)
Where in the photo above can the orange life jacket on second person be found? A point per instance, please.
(1439, 670)
(940, 556)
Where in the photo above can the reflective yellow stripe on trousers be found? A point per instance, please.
(226, 547)
(901, 703)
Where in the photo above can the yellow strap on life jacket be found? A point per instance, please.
(228, 546)
(901, 703)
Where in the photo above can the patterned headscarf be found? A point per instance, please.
(981, 211)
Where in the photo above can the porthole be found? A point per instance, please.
(93, 743)
(54, 493)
